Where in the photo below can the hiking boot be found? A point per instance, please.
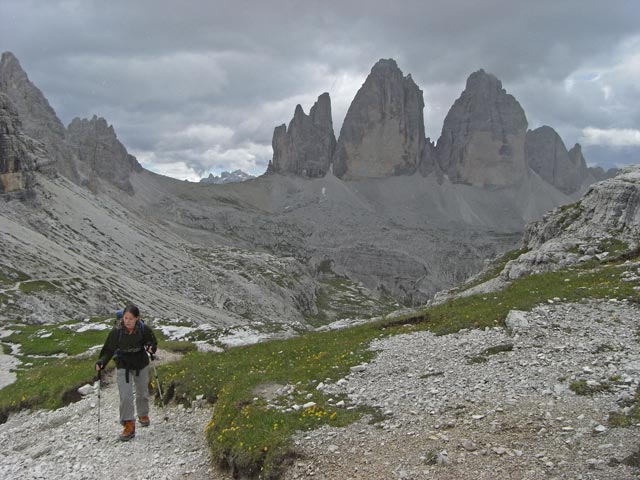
(144, 420)
(129, 431)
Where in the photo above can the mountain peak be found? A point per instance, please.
(383, 131)
(385, 65)
(482, 140)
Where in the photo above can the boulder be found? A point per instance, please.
(516, 322)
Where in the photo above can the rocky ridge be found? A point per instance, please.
(101, 153)
(39, 120)
(484, 140)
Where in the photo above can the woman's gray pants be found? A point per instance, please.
(140, 385)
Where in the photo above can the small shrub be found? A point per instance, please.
(581, 387)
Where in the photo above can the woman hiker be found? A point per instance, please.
(128, 343)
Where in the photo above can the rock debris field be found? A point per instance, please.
(455, 408)
(478, 404)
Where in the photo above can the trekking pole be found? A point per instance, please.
(99, 394)
(155, 372)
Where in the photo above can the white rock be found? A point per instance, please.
(85, 389)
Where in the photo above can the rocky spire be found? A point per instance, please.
(307, 147)
(101, 154)
(483, 135)
(547, 155)
(383, 131)
(39, 120)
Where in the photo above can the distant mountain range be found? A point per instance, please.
(227, 177)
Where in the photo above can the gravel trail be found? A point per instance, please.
(63, 443)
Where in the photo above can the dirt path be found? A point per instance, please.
(63, 443)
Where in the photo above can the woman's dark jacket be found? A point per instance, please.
(128, 349)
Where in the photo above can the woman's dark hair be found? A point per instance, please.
(132, 309)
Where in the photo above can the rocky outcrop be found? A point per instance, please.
(610, 207)
(483, 135)
(101, 154)
(607, 218)
(383, 131)
(39, 120)
(547, 155)
(306, 148)
(19, 154)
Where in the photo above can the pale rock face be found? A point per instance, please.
(483, 135)
(19, 154)
(39, 120)
(571, 234)
(547, 155)
(100, 153)
(610, 206)
(307, 147)
(383, 131)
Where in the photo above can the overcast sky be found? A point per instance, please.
(197, 87)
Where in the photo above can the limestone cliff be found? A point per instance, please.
(305, 148)
(19, 154)
(483, 135)
(383, 131)
(39, 120)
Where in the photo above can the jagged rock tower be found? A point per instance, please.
(306, 148)
(483, 135)
(383, 131)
